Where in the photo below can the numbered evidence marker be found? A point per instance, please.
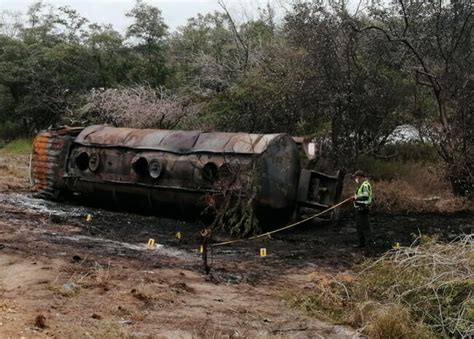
(151, 243)
(263, 252)
(89, 217)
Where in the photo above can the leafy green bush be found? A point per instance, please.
(10, 131)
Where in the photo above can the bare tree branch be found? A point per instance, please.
(236, 31)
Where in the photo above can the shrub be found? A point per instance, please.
(435, 280)
(409, 187)
(408, 292)
(10, 131)
(382, 169)
(394, 321)
(409, 151)
(136, 107)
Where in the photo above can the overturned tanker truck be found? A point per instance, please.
(179, 173)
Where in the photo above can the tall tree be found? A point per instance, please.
(437, 41)
(147, 34)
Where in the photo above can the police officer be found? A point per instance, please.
(362, 201)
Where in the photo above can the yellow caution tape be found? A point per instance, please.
(267, 234)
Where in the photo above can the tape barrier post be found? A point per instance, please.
(205, 237)
(267, 234)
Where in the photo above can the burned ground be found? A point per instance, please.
(97, 278)
(64, 276)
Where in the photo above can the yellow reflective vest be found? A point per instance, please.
(364, 195)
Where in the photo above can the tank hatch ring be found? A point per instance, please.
(155, 168)
(94, 162)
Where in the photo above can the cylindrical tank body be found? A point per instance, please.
(179, 173)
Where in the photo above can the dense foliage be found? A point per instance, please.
(345, 79)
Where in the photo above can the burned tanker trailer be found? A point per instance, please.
(179, 173)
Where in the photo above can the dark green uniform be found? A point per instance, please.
(362, 203)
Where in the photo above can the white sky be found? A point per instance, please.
(175, 12)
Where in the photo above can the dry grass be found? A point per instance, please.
(14, 165)
(97, 276)
(110, 329)
(82, 277)
(132, 313)
(154, 294)
(399, 196)
(14, 172)
(418, 291)
(66, 290)
(435, 280)
(414, 188)
(394, 321)
(213, 332)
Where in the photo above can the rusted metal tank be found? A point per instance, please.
(179, 173)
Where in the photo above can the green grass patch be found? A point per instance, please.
(18, 146)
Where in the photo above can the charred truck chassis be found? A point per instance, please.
(179, 173)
